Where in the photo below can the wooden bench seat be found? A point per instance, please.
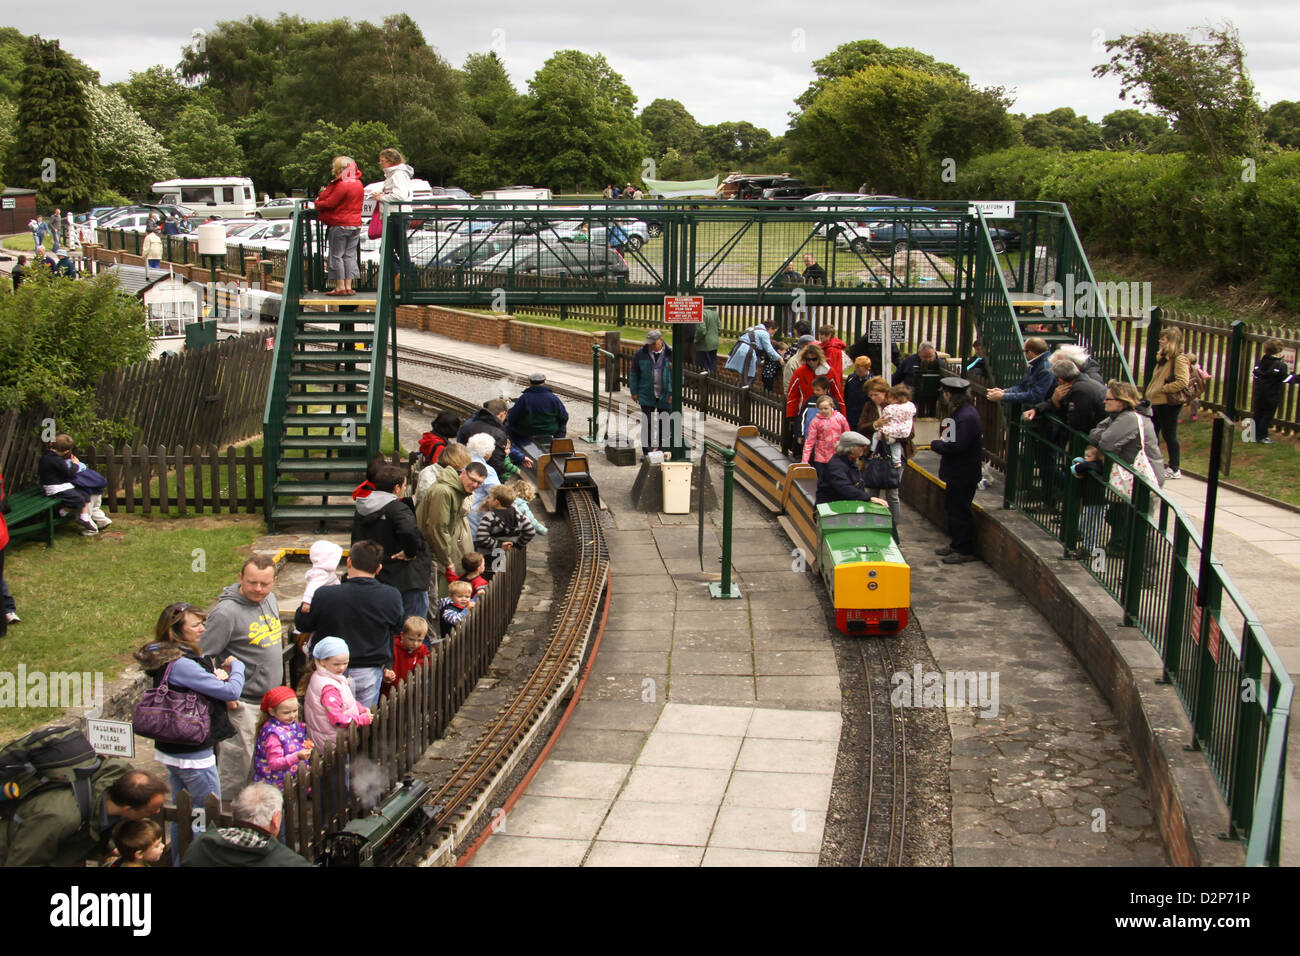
(32, 513)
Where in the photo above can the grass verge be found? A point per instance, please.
(19, 242)
(87, 603)
(1266, 469)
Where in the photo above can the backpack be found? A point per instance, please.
(48, 759)
(1196, 381)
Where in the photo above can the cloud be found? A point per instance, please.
(745, 62)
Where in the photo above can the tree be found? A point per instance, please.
(848, 58)
(131, 154)
(318, 147)
(158, 95)
(55, 150)
(488, 158)
(1061, 129)
(12, 45)
(968, 122)
(274, 80)
(733, 146)
(201, 145)
(670, 126)
(893, 127)
(1131, 129)
(577, 126)
(1202, 88)
(1282, 124)
(58, 336)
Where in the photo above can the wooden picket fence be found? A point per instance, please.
(374, 758)
(207, 397)
(143, 480)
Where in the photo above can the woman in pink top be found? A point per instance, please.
(823, 432)
(329, 701)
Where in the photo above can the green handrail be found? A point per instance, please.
(1222, 690)
(277, 389)
(379, 341)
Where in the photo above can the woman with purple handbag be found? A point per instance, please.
(186, 689)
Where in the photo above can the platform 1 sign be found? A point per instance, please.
(683, 309)
(112, 738)
(994, 209)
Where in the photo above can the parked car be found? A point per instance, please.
(837, 201)
(282, 208)
(638, 232)
(472, 253)
(896, 235)
(572, 259)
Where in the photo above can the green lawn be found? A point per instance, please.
(87, 603)
(20, 242)
(1267, 469)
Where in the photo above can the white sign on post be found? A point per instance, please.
(993, 209)
(9, 203)
(897, 330)
(112, 738)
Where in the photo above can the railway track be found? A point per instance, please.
(884, 831)
(460, 801)
(504, 740)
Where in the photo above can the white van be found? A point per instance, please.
(518, 192)
(224, 197)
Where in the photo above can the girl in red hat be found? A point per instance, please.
(281, 738)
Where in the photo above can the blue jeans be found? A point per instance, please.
(198, 783)
(9, 605)
(366, 684)
(415, 603)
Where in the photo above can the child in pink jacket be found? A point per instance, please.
(329, 701)
(895, 422)
(824, 432)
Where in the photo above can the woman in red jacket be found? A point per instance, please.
(339, 207)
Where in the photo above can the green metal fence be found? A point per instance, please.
(1147, 554)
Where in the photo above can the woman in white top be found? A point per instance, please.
(396, 189)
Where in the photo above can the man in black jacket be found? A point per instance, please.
(491, 419)
(365, 613)
(1076, 400)
(387, 517)
(961, 452)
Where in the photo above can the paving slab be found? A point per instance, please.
(584, 780)
(559, 818)
(606, 853)
(652, 784)
(677, 824)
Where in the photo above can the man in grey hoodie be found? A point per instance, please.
(246, 624)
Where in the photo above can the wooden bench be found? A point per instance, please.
(32, 513)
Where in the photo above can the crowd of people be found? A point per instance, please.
(225, 721)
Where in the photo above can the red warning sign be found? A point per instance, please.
(683, 308)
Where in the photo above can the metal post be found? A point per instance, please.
(1216, 456)
(725, 588)
(677, 444)
(595, 392)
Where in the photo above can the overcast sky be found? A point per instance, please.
(740, 61)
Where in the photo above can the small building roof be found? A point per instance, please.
(137, 280)
(16, 191)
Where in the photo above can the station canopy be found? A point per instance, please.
(669, 189)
